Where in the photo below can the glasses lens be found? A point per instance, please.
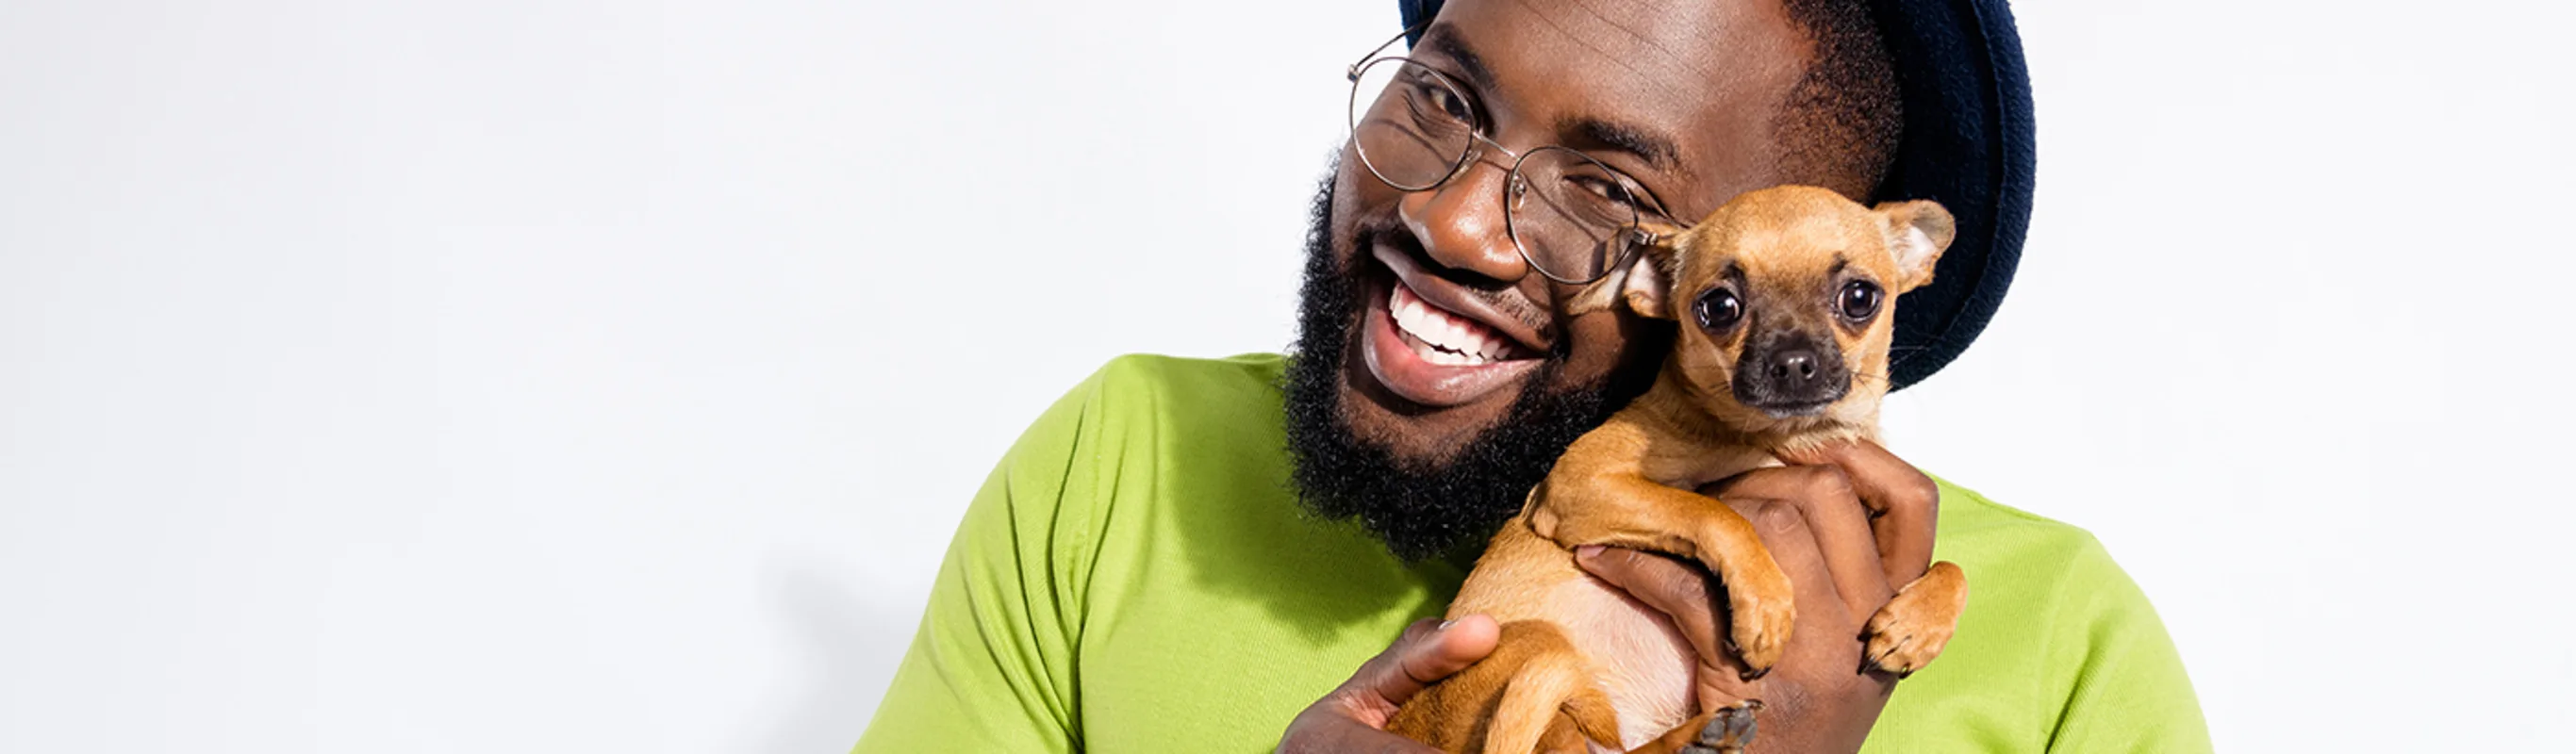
(1411, 124)
(1570, 213)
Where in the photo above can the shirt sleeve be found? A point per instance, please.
(2129, 692)
(991, 667)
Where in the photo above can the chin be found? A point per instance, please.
(1851, 417)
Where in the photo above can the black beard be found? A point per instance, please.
(1420, 510)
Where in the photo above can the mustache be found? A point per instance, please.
(1509, 298)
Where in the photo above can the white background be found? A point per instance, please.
(593, 376)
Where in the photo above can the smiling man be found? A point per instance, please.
(1214, 555)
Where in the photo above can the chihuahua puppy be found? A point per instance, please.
(1785, 300)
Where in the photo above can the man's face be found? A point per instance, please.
(1681, 96)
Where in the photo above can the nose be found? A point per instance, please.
(1794, 368)
(1462, 226)
(1791, 369)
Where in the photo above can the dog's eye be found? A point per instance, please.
(1859, 300)
(1717, 309)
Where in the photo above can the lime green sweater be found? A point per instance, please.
(1138, 577)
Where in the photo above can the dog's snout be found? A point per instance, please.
(1791, 373)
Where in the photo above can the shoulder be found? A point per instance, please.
(1108, 443)
(1155, 380)
(1133, 396)
(1097, 462)
(2042, 575)
(2024, 545)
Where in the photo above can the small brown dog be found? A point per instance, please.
(1785, 301)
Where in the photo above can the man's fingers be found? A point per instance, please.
(1679, 590)
(1429, 651)
(1354, 717)
(1793, 543)
(1907, 501)
(1825, 501)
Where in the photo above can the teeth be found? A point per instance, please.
(1440, 337)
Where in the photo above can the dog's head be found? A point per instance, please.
(1785, 299)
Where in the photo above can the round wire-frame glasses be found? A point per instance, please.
(1571, 217)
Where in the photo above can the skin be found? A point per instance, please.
(1707, 79)
(1685, 80)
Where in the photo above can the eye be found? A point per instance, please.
(1858, 301)
(1717, 310)
(1443, 103)
(1449, 102)
(1603, 189)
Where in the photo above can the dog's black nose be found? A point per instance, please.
(1791, 372)
(1794, 367)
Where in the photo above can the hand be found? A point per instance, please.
(1850, 524)
(1353, 718)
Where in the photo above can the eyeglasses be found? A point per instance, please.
(1573, 218)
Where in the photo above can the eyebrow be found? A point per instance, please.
(1656, 150)
(1443, 39)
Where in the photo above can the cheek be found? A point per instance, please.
(1597, 344)
(1360, 201)
(1350, 203)
(1709, 360)
(1868, 353)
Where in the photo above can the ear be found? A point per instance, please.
(1917, 232)
(1643, 283)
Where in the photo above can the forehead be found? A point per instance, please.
(1770, 243)
(1708, 77)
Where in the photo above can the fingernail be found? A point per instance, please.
(1587, 552)
(1444, 626)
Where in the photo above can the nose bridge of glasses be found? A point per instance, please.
(1505, 162)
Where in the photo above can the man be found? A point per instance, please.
(1185, 555)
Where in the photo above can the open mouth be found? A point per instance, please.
(1433, 354)
(1441, 337)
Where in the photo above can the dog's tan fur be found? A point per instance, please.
(1579, 660)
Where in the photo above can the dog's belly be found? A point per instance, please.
(1638, 658)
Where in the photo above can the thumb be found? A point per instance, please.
(1429, 651)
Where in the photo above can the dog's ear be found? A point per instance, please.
(1643, 282)
(1917, 232)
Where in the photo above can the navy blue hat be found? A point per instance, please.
(1968, 144)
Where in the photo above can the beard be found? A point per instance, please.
(1419, 509)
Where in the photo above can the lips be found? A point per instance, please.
(1432, 355)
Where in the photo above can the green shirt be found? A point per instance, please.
(1137, 576)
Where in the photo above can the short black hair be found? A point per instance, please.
(1840, 126)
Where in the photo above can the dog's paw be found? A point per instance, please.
(1728, 731)
(1761, 609)
(1917, 624)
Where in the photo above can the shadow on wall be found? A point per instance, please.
(846, 651)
